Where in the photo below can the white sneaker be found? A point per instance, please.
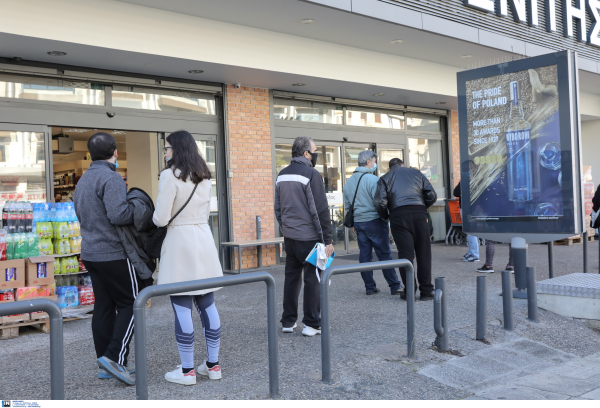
(212, 373)
(289, 329)
(309, 331)
(177, 376)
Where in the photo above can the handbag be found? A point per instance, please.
(349, 217)
(155, 239)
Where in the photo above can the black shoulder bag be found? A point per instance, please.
(349, 217)
(155, 238)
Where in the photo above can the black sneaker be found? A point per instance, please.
(397, 292)
(510, 268)
(373, 292)
(486, 269)
(426, 296)
(403, 295)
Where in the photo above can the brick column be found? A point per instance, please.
(455, 146)
(248, 120)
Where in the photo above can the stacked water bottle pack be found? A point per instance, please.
(57, 228)
(17, 237)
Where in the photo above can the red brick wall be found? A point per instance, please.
(455, 146)
(248, 119)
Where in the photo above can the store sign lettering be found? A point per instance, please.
(526, 12)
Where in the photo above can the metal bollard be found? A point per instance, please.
(551, 259)
(519, 252)
(139, 310)
(440, 315)
(325, 312)
(57, 356)
(532, 309)
(585, 252)
(481, 331)
(507, 302)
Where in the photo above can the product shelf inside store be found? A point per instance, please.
(63, 256)
(63, 187)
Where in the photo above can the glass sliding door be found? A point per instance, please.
(23, 153)
(329, 164)
(384, 155)
(426, 156)
(351, 152)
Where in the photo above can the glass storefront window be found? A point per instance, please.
(428, 123)
(384, 157)
(426, 156)
(22, 167)
(304, 111)
(51, 90)
(162, 100)
(384, 120)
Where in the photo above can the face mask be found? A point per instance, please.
(374, 168)
(315, 155)
(116, 165)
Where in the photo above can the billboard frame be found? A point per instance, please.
(571, 222)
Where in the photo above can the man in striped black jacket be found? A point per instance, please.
(302, 212)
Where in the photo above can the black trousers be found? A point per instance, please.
(411, 234)
(116, 286)
(296, 253)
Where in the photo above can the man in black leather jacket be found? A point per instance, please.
(403, 195)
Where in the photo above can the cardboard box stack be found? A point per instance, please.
(28, 278)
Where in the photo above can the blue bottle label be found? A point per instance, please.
(41, 270)
(518, 151)
(11, 274)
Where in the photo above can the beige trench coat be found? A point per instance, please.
(188, 251)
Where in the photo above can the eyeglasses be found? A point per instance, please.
(166, 148)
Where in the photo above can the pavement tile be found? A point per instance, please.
(515, 392)
(582, 369)
(594, 395)
(555, 383)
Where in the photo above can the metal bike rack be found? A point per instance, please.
(57, 355)
(361, 267)
(440, 315)
(139, 307)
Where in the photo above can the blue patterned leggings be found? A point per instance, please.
(184, 327)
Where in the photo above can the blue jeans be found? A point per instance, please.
(375, 235)
(473, 243)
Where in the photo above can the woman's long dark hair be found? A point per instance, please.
(186, 158)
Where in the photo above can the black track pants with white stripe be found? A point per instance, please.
(116, 286)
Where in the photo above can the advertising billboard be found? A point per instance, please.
(519, 147)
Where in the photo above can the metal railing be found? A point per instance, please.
(57, 356)
(141, 356)
(361, 267)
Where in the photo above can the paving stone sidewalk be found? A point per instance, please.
(554, 359)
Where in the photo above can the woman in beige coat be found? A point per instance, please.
(188, 252)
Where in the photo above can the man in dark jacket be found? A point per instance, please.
(403, 195)
(100, 205)
(303, 214)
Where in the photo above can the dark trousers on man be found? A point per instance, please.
(295, 264)
(371, 235)
(411, 233)
(116, 286)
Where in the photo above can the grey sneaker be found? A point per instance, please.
(116, 370)
(103, 375)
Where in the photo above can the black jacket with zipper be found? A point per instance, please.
(134, 236)
(400, 187)
(301, 205)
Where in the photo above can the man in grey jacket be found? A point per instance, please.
(372, 232)
(302, 212)
(100, 205)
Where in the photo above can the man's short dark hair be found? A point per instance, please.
(301, 145)
(395, 161)
(102, 146)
